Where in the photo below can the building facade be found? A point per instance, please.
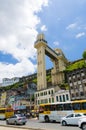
(62, 96)
(77, 83)
(44, 96)
(50, 96)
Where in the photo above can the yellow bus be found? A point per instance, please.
(6, 113)
(79, 106)
(55, 111)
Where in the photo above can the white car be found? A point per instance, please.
(82, 123)
(16, 119)
(72, 119)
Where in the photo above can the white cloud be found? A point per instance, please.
(56, 43)
(18, 70)
(43, 28)
(80, 35)
(71, 26)
(18, 32)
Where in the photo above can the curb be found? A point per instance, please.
(19, 127)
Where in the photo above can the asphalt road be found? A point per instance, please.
(34, 124)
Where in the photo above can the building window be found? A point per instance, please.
(38, 102)
(60, 98)
(49, 92)
(71, 87)
(57, 98)
(63, 98)
(81, 93)
(46, 92)
(83, 77)
(69, 78)
(49, 100)
(41, 94)
(72, 95)
(52, 99)
(46, 100)
(70, 81)
(79, 78)
(77, 94)
(67, 98)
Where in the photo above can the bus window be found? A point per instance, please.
(68, 106)
(47, 107)
(53, 107)
(84, 106)
(41, 109)
(2, 111)
(9, 110)
(59, 107)
(76, 106)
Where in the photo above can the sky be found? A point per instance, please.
(63, 22)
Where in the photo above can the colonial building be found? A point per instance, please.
(50, 96)
(44, 96)
(62, 96)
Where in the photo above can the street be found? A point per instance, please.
(35, 124)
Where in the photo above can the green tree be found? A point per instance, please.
(84, 55)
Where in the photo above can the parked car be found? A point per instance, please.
(17, 119)
(82, 123)
(72, 119)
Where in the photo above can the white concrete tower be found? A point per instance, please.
(40, 45)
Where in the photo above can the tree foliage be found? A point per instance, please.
(84, 54)
(76, 65)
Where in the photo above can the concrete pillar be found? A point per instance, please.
(40, 45)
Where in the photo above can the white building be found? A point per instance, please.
(44, 96)
(50, 96)
(7, 81)
(62, 96)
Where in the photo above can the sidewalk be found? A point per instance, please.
(9, 127)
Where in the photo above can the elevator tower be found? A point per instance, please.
(56, 56)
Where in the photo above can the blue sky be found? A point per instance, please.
(62, 22)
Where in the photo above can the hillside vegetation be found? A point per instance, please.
(76, 65)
